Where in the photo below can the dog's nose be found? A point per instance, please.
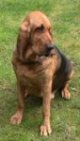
(50, 47)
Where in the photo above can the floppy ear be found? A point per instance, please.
(23, 39)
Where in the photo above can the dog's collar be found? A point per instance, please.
(29, 62)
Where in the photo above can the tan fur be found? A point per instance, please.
(34, 79)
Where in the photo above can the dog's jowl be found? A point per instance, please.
(40, 68)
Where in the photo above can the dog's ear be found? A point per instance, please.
(23, 39)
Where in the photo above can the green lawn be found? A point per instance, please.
(65, 19)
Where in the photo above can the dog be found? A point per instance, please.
(41, 68)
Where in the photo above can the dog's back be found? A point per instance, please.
(62, 75)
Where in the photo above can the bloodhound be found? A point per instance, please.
(41, 68)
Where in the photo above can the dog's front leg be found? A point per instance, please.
(17, 117)
(45, 128)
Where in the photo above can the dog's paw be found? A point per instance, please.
(66, 94)
(16, 118)
(52, 96)
(45, 130)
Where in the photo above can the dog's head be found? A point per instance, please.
(35, 36)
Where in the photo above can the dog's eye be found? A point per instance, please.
(40, 28)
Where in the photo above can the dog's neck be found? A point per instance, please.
(32, 60)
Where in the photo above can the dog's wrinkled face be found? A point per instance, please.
(36, 35)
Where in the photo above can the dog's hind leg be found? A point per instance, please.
(65, 91)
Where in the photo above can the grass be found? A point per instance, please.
(65, 19)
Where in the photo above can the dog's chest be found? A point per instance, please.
(33, 79)
(34, 83)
